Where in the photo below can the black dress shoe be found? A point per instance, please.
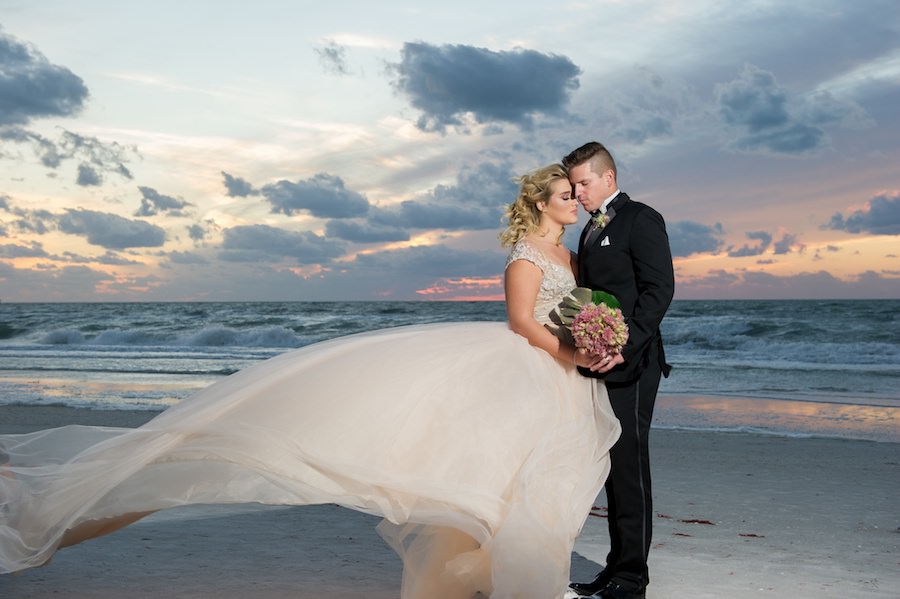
(586, 589)
(615, 591)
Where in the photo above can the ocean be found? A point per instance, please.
(791, 367)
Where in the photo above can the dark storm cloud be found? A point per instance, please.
(448, 82)
(881, 216)
(110, 230)
(264, 243)
(322, 195)
(153, 202)
(31, 87)
(333, 59)
(237, 187)
(769, 121)
(477, 200)
(688, 237)
(764, 240)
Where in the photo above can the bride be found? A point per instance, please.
(479, 444)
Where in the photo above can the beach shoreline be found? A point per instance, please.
(737, 515)
(689, 412)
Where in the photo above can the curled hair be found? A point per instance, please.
(523, 216)
(595, 153)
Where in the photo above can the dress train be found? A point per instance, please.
(482, 455)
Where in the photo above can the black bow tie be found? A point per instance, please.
(596, 212)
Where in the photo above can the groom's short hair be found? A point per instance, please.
(594, 152)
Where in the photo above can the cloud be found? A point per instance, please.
(764, 241)
(31, 87)
(254, 243)
(644, 127)
(452, 82)
(819, 284)
(476, 201)
(880, 216)
(153, 202)
(786, 244)
(13, 250)
(753, 100)
(746, 284)
(322, 195)
(688, 237)
(364, 232)
(113, 259)
(95, 156)
(196, 232)
(187, 258)
(333, 59)
(32, 221)
(43, 148)
(88, 176)
(70, 283)
(432, 261)
(106, 156)
(769, 121)
(237, 187)
(110, 230)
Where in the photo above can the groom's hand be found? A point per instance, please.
(604, 365)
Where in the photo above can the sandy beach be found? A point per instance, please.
(738, 515)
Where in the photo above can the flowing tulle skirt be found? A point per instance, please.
(482, 454)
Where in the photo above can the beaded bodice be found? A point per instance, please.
(557, 282)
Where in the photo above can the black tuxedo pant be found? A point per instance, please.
(628, 491)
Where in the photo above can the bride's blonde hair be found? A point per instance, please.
(523, 216)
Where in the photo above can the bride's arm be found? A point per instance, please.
(521, 285)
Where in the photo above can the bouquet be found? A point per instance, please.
(591, 321)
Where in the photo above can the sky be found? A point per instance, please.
(214, 150)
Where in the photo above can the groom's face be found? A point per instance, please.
(589, 187)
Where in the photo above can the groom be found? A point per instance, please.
(624, 250)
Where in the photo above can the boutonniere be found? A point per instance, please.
(600, 220)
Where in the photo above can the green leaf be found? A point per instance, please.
(581, 294)
(601, 297)
(569, 311)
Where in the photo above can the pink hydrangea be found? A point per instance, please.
(599, 330)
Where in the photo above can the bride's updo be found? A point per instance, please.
(523, 216)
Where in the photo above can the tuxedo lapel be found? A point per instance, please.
(585, 233)
(591, 234)
(589, 239)
(595, 234)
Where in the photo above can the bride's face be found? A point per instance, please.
(561, 208)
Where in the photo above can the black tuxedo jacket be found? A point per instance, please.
(630, 258)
